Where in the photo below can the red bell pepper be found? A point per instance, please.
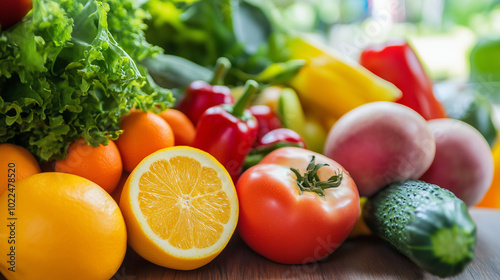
(398, 63)
(266, 119)
(200, 95)
(228, 132)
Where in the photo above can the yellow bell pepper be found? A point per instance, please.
(325, 120)
(492, 197)
(333, 85)
(314, 135)
(270, 97)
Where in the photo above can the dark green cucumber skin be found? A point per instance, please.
(408, 214)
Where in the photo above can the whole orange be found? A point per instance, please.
(101, 165)
(61, 226)
(183, 128)
(143, 133)
(16, 163)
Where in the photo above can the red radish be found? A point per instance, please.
(381, 142)
(463, 162)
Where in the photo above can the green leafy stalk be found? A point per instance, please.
(311, 182)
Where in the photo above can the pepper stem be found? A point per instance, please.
(220, 70)
(251, 87)
(310, 180)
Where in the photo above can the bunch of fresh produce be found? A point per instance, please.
(70, 70)
(168, 125)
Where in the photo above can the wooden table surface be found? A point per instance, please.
(361, 258)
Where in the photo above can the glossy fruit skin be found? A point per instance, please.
(226, 137)
(288, 227)
(228, 132)
(379, 143)
(19, 160)
(267, 120)
(183, 128)
(101, 165)
(71, 229)
(13, 11)
(281, 135)
(463, 162)
(398, 63)
(200, 96)
(143, 134)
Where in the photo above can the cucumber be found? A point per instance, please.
(170, 71)
(425, 222)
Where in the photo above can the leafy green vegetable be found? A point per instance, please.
(244, 31)
(64, 75)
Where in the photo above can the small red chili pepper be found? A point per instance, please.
(273, 140)
(228, 132)
(281, 135)
(200, 95)
(266, 118)
(398, 63)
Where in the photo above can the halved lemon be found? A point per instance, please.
(180, 208)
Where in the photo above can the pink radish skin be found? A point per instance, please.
(463, 162)
(381, 142)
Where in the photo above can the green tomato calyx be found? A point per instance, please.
(311, 182)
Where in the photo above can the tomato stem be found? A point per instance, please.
(311, 182)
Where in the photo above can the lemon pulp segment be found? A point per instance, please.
(184, 202)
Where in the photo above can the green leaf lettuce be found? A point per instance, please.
(69, 70)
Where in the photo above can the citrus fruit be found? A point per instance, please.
(143, 134)
(116, 194)
(180, 207)
(101, 165)
(181, 125)
(62, 226)
(16, 163)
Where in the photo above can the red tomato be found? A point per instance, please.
(12, 11)
(284, 225)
